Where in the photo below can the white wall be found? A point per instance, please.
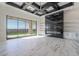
(71, 22)
(11, 11)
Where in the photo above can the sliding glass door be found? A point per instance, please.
(34, 27)
(27, 28)
(12, 28)
(19, 27)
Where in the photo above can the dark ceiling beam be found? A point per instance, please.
(67, 5)
(58, 7)
(51, 11)
(55, 5)
(37, 6)
(22, 5)
(46, 5)
(25, 5)
(29, 11)
(39, 14)
(13, 4)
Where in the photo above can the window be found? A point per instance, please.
(17, 27)
(12, 28)
(21, 28)
(34, 27)
(27, 27)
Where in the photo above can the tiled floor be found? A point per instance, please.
(39, 46)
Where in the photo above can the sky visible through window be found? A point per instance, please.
(12, 24)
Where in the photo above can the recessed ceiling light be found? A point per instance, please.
(62, 3)
(30, 8)
(50, 8)
(40, 12)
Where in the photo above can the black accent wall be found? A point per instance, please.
(54, 25)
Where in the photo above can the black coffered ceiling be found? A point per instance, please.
(40, 8)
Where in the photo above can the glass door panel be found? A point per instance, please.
(11, 28)
(27, 28)
(34, 27)
(21, 28)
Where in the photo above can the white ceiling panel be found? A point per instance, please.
(40, 12)
(50, 8)
(18, 3)
(30, 8)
